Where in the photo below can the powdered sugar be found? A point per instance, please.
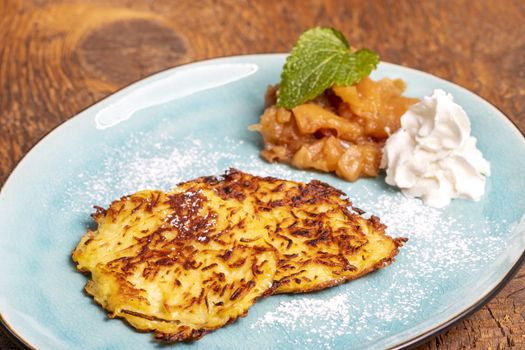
(165, 164)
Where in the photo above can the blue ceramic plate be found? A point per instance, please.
(192, 121)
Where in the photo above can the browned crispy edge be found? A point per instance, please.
(176, 337)
(380, 264)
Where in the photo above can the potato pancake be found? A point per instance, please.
(150, 265)
(321, 241)
(184, 262)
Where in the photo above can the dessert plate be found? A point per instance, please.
(192, 121)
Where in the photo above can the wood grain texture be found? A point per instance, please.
(59, 57)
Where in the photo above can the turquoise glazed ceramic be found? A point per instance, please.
(192, 121)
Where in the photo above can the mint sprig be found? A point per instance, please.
(321, 58)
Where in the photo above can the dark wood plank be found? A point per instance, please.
(59, 57)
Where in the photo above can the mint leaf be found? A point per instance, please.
(321, 58)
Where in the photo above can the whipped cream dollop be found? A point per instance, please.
(433, 156)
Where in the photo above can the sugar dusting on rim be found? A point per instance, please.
(190, 158)
(440, 252)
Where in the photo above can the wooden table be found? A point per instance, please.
(59, 57)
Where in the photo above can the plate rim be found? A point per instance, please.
(419, 339)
